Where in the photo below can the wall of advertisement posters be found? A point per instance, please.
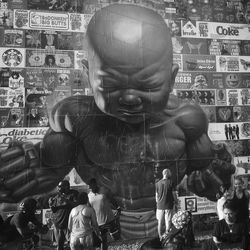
(43, 59)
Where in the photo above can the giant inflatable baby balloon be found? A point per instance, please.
(130, 130)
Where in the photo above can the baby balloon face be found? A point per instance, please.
(131, 97)
(130, 62)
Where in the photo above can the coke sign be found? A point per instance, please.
(227, 31)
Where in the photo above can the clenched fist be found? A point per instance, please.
(22, 174)
(206, 182)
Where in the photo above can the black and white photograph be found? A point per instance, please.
(124, 124)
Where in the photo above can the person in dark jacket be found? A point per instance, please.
(229, 233)
(61, 205)
(241, 200)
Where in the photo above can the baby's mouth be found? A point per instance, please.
(131, 112)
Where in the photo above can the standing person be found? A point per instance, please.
(61, 205)
(237, 132)
(226, 131)
(233, 132)
(166, 200)
(102, 201)
(220, 202)
(241, 199)
(82, 223)
(230, 132)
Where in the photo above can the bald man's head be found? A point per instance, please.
(129, 37)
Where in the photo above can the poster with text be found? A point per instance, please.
(58, 21)
(33, 135)
(199, 63)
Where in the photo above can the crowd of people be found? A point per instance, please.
(231, 231)
(84, 220)
(81, 220)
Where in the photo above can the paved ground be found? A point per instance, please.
(141, 244)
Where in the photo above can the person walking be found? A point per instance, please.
(102, 201)
(61, 205)
(166, 201)
(82, 223)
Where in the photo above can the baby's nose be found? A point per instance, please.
(130, 99)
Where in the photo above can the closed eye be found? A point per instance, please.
(111, 79)
(110, 84)
(153, 82)
(153, 76)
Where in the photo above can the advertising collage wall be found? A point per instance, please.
(43, 60)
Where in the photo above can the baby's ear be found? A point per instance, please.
(175, 68)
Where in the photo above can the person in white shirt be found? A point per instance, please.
(101, 200)
(226, 195)
(82, 223)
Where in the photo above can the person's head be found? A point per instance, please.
(82, 198)
(166, 173)
(200, 80)
(246, 46)
(28, 206)
(50, 60)
(130, 59)
(238, 183)
(229, 211)
(93, 185)
(33, 111)
(42, 100)
(63, 186)
(240, 15)
(50, 39)
(175, 29)
(43, 120)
